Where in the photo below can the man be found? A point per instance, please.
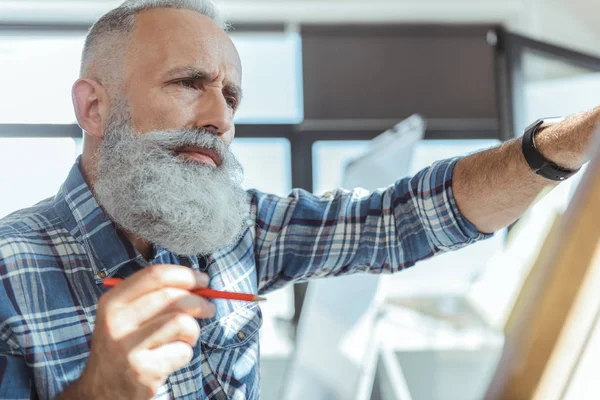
(156, 198)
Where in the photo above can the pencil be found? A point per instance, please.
(208, 293)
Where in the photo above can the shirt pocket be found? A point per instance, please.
(231, 349)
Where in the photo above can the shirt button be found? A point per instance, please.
(102, 274)
(241, 335)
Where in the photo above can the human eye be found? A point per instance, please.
(232, 102)
(187, 83)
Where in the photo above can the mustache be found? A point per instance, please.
(176, 139)
(146, 189)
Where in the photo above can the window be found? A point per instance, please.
(331, 157)
(40, 69)
(430, 151)
(33, 169)
(267, 164)
(272, 77)
(555, 87)
(37, 75)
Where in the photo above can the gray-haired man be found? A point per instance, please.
(156, 198)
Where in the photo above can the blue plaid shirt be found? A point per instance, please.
(54, 255)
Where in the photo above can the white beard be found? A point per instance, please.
(145, 188)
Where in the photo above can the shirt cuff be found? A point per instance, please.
(449, 229)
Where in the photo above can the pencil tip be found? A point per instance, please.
(257, 298)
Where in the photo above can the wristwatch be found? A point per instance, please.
(538, 163)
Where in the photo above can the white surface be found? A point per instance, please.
(388, 157)
(32, 170)
(289, 10)
(272, 77)
(561, 97)
(329, 159)
(267, 164)
(585, 384)
(274, 344)
(331, 156)
(37, 75)
(394, 376)
(438, 362)
(320, 369)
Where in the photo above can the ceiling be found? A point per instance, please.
(288, 10)
(567, 22)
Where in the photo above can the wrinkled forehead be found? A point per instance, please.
(164, 39)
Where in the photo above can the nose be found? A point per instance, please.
(214, 114)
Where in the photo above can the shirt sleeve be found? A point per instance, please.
(15, 379)
(305, 236)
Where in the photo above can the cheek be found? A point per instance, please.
(160, 112)
(228, 137)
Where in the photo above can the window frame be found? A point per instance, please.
(510, 49)
(302, 136)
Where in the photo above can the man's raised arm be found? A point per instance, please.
(493, 188)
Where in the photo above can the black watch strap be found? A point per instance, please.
(536, 160)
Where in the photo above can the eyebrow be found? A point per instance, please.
(195, 73)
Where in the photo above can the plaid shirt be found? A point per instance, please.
(53, 258)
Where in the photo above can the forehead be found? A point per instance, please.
(164, 39)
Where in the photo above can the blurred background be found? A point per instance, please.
(321, 80)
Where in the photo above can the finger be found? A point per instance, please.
(157, 364)
(169, 300)
(170, 357)
(163, 329)
(157, 277)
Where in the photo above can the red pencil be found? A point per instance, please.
(208, 293)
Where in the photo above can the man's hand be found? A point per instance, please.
(567, 143)
(145, 330)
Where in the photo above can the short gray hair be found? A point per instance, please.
(108, 38)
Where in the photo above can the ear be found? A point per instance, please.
(92, 105)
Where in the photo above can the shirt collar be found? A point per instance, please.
(108, 249)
